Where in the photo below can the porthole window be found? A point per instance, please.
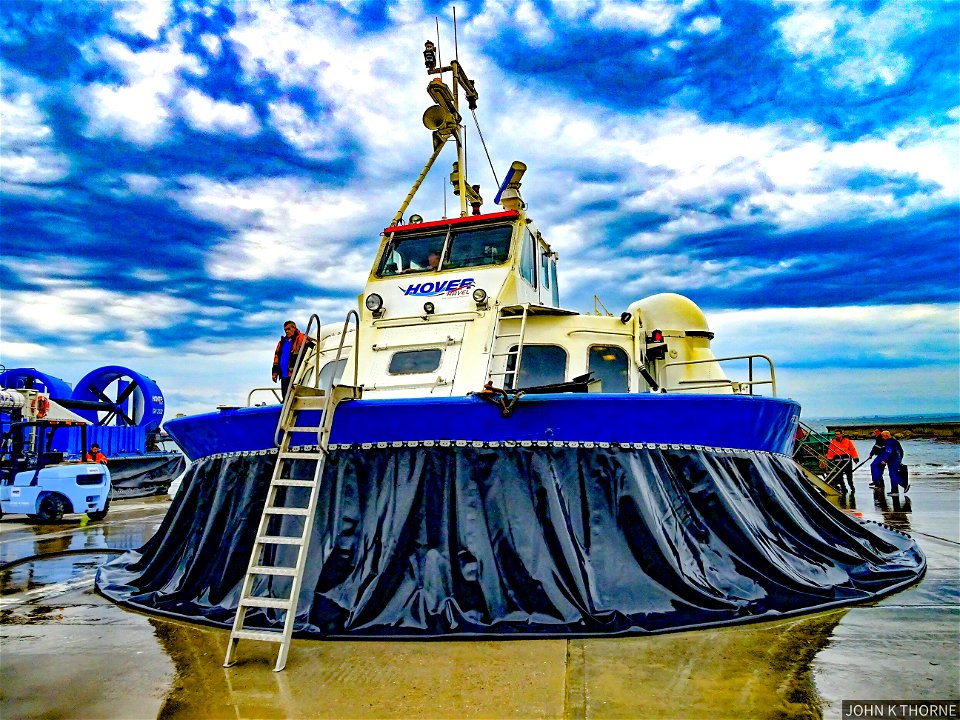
(609, 364)
(414, 362)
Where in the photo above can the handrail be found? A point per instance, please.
(323, 432)
(356, 345)
(806, 445)
(263, 389)
(750, 382)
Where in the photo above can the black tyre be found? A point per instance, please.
(101, 514)
(52, 508)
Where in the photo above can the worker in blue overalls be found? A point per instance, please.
(892, 457)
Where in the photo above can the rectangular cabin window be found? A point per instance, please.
(540, 365)
(609, 364)
(412, 254)
(545, 270)
(334, 368)
(478, 246)
(528, 261)
(414, 362)
(554, 288)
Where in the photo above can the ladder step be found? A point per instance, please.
(504, 354)
(296, 429)
(279, 540)
(306, 402)
(265, 602)
(286, 511)
(290, 482)
(301, 455)
(273, 570)
(264, 635)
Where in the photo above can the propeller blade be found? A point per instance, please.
(127, 392)
(97, 391)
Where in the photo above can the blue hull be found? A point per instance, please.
(723, 421)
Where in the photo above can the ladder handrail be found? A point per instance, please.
(356, 344)
(519, 351)
(323, 434)
(301, 397)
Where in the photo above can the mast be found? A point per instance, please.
(444, 120)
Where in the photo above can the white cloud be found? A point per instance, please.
(705, 24)
(787, 175)
(572, 9)
(10, 349)
(317, 139)
(138, 109)
(283, 227)
(859, 49)
(810, 28)
(533, 24)
(28, 155)
(652, 16)
(214, 116)
(145, 17)
(211, 43)
(141, 184)
(72, 311)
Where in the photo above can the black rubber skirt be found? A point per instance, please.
(518, 541)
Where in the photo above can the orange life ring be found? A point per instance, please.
(43, 405)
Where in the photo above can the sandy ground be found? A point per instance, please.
(65, 652)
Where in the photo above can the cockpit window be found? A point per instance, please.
(412, 254)
(469, 247)
(486, 246)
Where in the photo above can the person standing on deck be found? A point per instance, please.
(842, 450)
(876, 468)
(286, 354)
(892, 457)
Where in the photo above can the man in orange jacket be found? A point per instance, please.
(286, 354)
(95, 455)
(843, 451)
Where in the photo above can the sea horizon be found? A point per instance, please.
(906, 419)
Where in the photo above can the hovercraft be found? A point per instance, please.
(465, 457)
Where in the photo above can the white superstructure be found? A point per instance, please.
(453, 304)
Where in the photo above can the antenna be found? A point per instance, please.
(443, 181)
(456, 48)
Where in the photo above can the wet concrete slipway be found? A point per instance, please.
(65, 652)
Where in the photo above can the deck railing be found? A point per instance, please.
(738, 387)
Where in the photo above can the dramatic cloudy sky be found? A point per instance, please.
(180, 177)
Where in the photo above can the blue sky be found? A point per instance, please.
(180, 177)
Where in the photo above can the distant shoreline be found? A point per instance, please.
(949, 431)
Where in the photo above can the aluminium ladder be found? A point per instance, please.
(270, 542)
(516, 353)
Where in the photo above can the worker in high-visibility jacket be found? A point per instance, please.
(286, 354)
(843, 452)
